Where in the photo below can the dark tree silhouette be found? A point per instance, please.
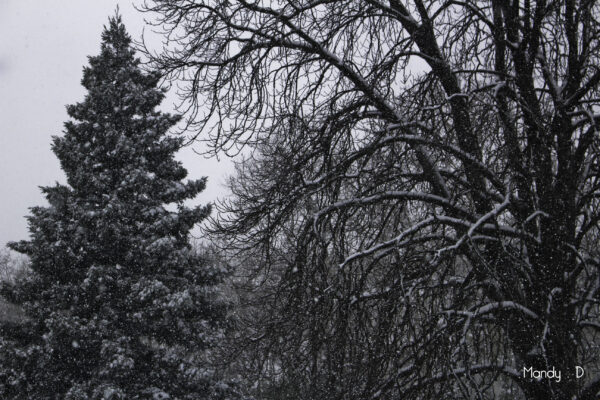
(422, 179)
(118, 303)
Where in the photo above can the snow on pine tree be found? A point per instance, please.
(119, 304)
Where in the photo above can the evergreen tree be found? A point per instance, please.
(119, 304)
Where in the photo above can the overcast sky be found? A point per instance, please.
(43, 49)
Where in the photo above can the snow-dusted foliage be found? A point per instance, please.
(119, 304)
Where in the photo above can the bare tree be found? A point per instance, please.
(436, 158)
(12, 266)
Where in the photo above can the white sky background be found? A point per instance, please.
(44, 45)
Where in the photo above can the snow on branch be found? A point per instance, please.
(392, 195)
(492, 307)
(392, 242)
